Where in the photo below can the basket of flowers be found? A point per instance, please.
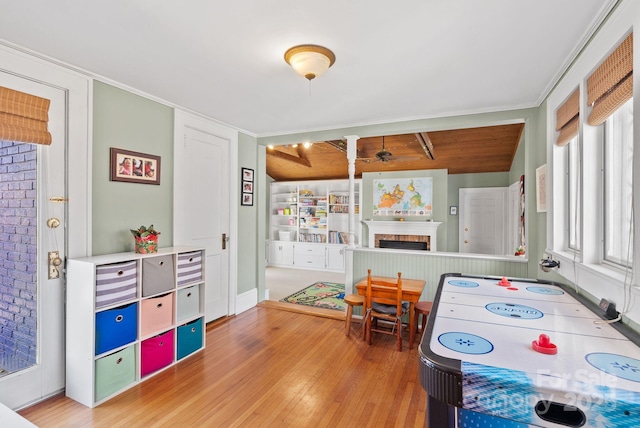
(146, 239)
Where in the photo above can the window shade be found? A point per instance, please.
(611, 85)
(23, 117)
(567, 118)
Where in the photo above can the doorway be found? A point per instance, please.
(32, 301)
(70, 131)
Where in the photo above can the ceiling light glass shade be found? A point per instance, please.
(309, 61)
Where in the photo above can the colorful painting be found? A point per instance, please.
(403, 197)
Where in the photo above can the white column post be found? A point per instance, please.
(352, 144)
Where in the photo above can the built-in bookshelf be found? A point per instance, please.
(311, 212)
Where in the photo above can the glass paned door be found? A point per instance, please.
(32, 182)
(18, 266)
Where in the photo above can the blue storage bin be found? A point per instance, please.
(189, 338)
(116, 327)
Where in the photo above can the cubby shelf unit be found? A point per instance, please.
(130, 316)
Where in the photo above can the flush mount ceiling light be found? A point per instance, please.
(309, 61)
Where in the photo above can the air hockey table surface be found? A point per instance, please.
(483, 360)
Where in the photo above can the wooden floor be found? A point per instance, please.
(266, 368)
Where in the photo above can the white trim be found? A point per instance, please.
(79, 138)
(90, 75)
(77, 90)
(585, 269)
(247, 300)
(607, 8)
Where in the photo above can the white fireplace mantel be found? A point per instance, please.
(421, 228)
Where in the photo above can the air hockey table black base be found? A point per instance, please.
(482, 363)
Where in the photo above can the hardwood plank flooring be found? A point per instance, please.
(266, 368)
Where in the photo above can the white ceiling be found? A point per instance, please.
(395, 60)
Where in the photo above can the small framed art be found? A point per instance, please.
(246, 196)
(134, 167)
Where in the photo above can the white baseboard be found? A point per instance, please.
(246, 300)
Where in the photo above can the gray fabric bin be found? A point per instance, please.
(158, 275)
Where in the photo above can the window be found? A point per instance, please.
(618, 186)
(573, 219)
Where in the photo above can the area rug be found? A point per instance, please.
(327, 295)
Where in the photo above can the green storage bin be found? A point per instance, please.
(114, 372)
(188, 302)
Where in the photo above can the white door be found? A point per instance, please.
(202, 208)
(34, 367)
(482, 225)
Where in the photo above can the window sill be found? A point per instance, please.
(570, 266)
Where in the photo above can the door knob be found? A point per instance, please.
(54, 263)
(466, 241)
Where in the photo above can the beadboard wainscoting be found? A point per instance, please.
(428, 266)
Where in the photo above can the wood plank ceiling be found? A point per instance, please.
(461, 151)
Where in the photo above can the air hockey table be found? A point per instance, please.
(514, 353)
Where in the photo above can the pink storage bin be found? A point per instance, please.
(156, 314)
(156, 353)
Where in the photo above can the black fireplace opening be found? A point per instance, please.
(404, 245)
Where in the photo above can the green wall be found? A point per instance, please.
(248, 259)
(127, 121)
(534, 156)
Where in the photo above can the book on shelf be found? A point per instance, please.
(317, 238)
(337, 237)
(339, 199)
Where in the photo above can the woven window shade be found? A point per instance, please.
(611, 85)
(23, 117)
(567, 118)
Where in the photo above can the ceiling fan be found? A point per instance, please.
(384, 155)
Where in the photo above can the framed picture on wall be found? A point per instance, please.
(246, 188)
(247, 174)
(134, 167)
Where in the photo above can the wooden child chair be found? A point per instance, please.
(383, 300)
